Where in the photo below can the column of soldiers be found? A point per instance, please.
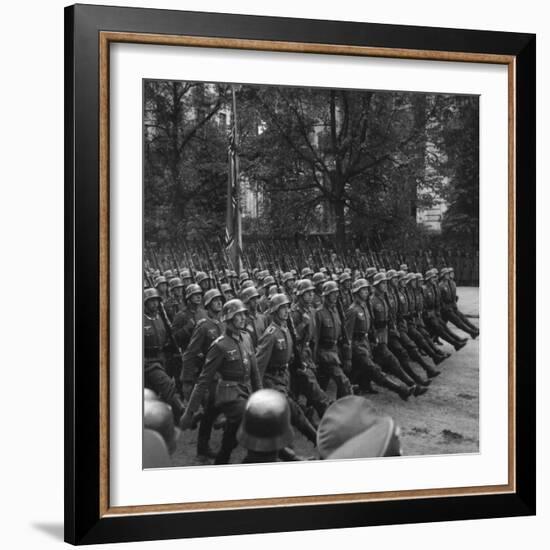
(213, 339)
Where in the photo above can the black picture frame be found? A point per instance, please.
(84, 522)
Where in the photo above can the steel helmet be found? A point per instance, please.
(244, 275)
(201, 276)
(159, 280)
(419, 276)
(191, 289)
(303, 286)
(175, 282)
(400, 275)
(248, 293)
(185, 274)
(158, 416)
(150, 294)
(269, 280)
(378, 278)
(149, 395)
(390, 274)
(370, 273)
(226, 287)
(306, 272)
(318, 278)
(231, 308)
(359, 284)
(265, 425)
(168, 274)
(345, 276)
(247, 284)
(210, 295)
(276, 301)
(288, 276)
(329, 287)
(404, 267)
(410, 277)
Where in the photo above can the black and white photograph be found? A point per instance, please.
(310, 273)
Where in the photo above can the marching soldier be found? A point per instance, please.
(432, 321)
(381, 320)
(358, 323)
(318, 280)
(305, 380)
(289, 281)
(267, 283)
(174, 302)
(328, 336)
(256, 322)
(186, 319)
(398, 341)
(162, 286)
(232, 358)
(228, 293)
(206, 331)
(414, 321)
(344, 282)
(449, 309)
(155, 347)
(274, 354)
(203, 280)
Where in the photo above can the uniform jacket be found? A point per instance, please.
(358, 323)
(206, 331)
(381, 317)
(274, 351)
(154, 338)
(255, 326)
(447, 301)
(231, 357)
(184, 324)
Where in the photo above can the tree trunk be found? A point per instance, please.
(340, 224)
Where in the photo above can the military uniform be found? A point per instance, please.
(328, 333)
(432, 320)
(256, 323)
(274, 355)
(382, 353)
(449, 310)
(156, 378)
(305, 380)
(364, 369)
(184, 324)
(231, 357)
(317, 302)
(173, 305)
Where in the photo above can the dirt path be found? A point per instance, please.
(442, 421)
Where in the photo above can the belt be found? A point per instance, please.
(359, 335)
(328, 344)
(234, 380)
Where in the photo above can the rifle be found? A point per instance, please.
(214, 272)
(175, 261)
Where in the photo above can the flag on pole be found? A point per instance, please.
(233, 227)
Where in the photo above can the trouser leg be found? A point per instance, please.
(450, 316)
(205, 427)
(308, 385)
(300, 421)
(390, 364)
(466, 320)
(233, 412)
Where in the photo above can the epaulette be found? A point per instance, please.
(218, 339)
(201, 321)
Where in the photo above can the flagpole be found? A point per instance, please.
(237, 230)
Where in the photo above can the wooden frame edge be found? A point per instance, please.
(105, 39)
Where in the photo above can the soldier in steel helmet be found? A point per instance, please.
(381, 321)
(359, 324)
(416, 328)
(274, 354)
(155, 347)
(162, 286)
(231, 357)
(398, 341)
(174, 302)
(265, 429)
(267, 283)
(205, 332)
(186, 319)
(289, 281)
(433, 322)
(256, 322)
(318, 279)
(304, 380)
(449, 309)
(344, 282)
(328, 340)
